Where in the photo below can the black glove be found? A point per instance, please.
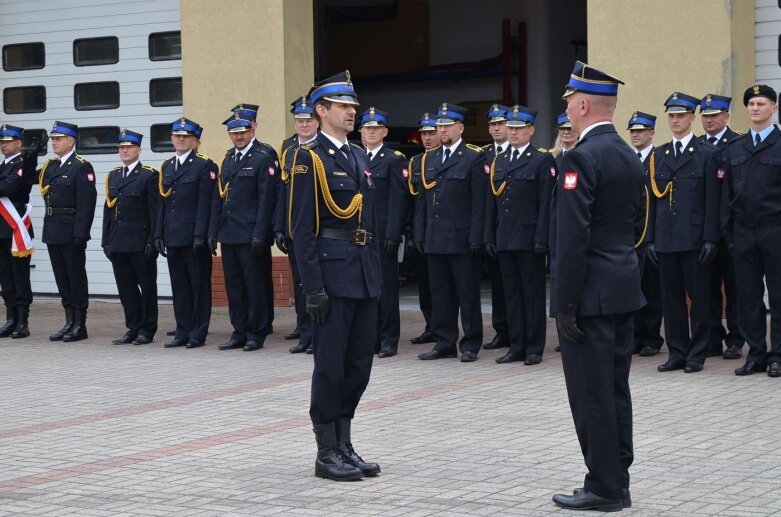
(160, 247)
(39, 144)
(540, 249)
(211, 242)
(317, 305)
(106, 252)
(150, 253)
(475, 249)
(281, 242)
(707, 253)
(650, 251)
(490, 249)
(568, 327)
(79, 243)
(257, 246)
(391, 247)
(419, 248)
(199, 245)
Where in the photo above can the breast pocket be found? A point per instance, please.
(63, 181)
(246, 174)
(456, 174)
(694, 179)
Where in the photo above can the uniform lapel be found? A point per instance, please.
(686, 154)
(183, 167)
(130, 177)
(338, 155)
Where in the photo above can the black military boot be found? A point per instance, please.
(78, 330)
(345, 447)
(21, 330)
(329, 463)
(10, 321)
(68, 324)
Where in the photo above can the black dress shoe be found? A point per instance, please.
(309, 349)
(732, 352)
(175, 342)
(126, 339)
(648, 351)
(468, 357)
(496, 342)
(774, 369)
(585, 500)
(557, 348)
(387, 351)
(750, 368)
(142, 339)
(171, 333)
(426, 337)
(293, 335)
(300, 348)
(626, 498)
(671, 365)
(252, 345)
(194, 343)
(509, 357)
(436, 354)
(231, 344)
(532, 359)
(692, 368)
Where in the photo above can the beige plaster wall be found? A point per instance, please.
(661, 46)
(254, 51)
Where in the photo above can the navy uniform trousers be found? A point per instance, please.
(525, 271)
(192, 294)
(136, 279)
(14, 277)
(303, 322)
(246, 286)
(455, 282)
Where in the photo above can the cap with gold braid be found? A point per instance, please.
(587, 79)
(8, 133)
(337, 88)
(712, 104)
(640, 120)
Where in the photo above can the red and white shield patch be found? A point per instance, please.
(405, 173)
(720, 174)
(553, 172)
(19, 173)
(90, 177)
(271, 171)
(212, 175)
(487, 168)
(570, 180)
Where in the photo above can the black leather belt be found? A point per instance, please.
(359, 236)
(60, 211)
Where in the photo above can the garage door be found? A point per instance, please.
(768, 43)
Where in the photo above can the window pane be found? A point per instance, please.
(96, 96)
(96, 51)
(98, 140)
(161, 138)
(29, 135)
(165, 92)
(165, 45)
(24, 99)
(24, 56)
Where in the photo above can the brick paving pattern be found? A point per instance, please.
(94, 429)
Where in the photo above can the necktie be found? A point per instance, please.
(124, 172)
(640, 155)
(678, 149)
(176, 165)
(515, 156)
(237, 156)
(370, 155)
(757, 140)
(446, 155)
(346, 150)
(712, 140)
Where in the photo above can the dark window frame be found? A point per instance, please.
(98, 63)
(5, 103)
(113, 149)
(12, 45)
(154, 57)
(168, 147)
(95, 107)
(166, 103)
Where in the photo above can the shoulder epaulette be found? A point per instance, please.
(738, 133)
(543, 150)
(400, 154)
(80, 158)
(202, 156)
(487, 147)
(149, 168)
(309, 145)
(265, 147)
(116, 168)
(475, 148)
(229, 152)
(431, 150)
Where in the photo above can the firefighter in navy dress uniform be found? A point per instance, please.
(333, 230)
(598, 203)
(68, 187)
(516, 230)
(129, 215)
(186, 183)
(450, 232)
(683, 230)
(389, 171)
(241, 221)
(17, 173)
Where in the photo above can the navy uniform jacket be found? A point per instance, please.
(187, 197)
(15, 185)
(753, 182)
(599, 196)
(250, 188)
(342, 268)
(414, 196)
(728, 136)
(692, 215)
(389, 173)
(70, 186)
(286, 152)
(518, 217)
(453, 208)
(128, 226)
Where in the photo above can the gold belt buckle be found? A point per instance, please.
(360, 237)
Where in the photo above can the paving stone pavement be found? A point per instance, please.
(93, 429)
